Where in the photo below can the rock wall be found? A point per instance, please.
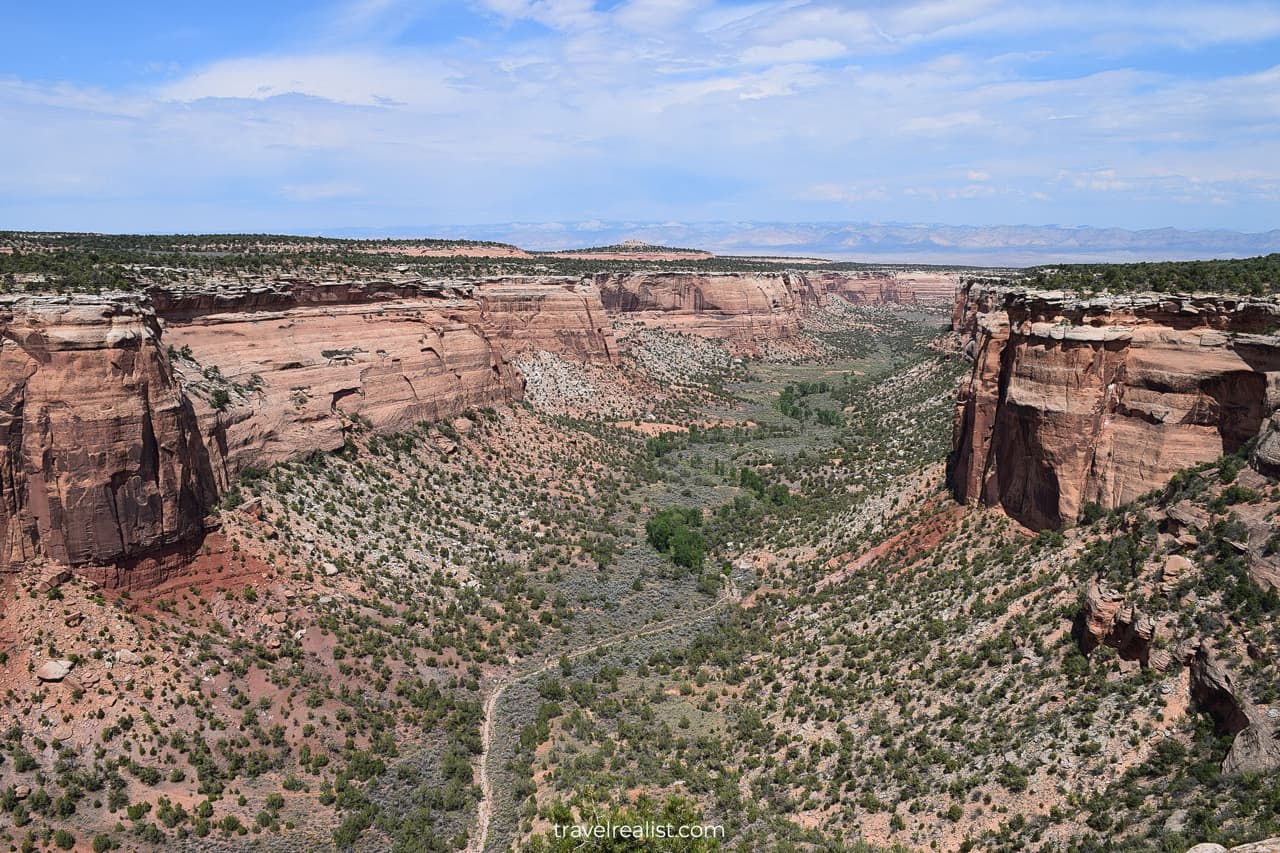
(100, 455)
(123, 418)
(879, 287)
(298, 365)
(1074, 401)
(293, 380)
(745, 309)
(560, 315)
(749, 309)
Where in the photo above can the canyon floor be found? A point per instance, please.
(462, 634)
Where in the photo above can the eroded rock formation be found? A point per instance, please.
(293, 380)
(749, 309)
(560, 315)
(744, 308)
(124, 417)
(1075, 401)
(1213, 687)
(100, 453)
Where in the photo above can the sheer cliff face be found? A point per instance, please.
(875, 287)
(1072, 402)
(299, 374)
(559, 315)
(111, 450)
(296, 379)
(748, 309)
(99, 452)
(744, 309)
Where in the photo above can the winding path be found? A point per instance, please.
(484, 811)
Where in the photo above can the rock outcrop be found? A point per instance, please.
(1214, 689)
(292, 381)
(1268, 845)
(560, 315)
(1266, 456)
(1076, 401)
(100, 454)
(124, 417)
(880, 287)
(750, 309)
(746, 309)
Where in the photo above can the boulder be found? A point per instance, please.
(1214, 688)
(1185, 514)
(1266, 455)
(1255, 749)
(1269, 845)
(1174, 569)
(54, 670)
(53, 580)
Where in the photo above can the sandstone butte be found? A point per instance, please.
(1076, 401)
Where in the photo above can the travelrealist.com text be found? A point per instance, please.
(647, 829)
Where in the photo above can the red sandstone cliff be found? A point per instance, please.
(879, 287)
(744, 308)
(299, 366)
(1075, 401)
(749, 309)
(123, 418)
(295, 379)
(100, 457)
(561, 315)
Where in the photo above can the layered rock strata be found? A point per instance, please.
(268, 385)
(123, 418)
(1072, 401)
(101, 458)
(750, 309)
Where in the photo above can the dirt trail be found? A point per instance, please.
(484, 811)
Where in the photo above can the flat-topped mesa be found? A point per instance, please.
(1074, 401)
(100, 453)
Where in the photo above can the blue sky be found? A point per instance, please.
(298, 116)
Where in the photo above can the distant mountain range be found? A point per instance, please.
(1020, 245)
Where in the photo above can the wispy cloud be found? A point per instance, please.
(973, 110)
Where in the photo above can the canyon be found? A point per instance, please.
(126, 416)
(751, 309)
(1075, 401)
(366, 524)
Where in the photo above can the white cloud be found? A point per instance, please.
(843, 193)
(345, 78)
(800, 50)
(605, 110)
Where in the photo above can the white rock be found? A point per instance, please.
(54, 670)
